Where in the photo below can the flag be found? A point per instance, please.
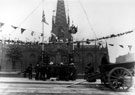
(43, 18)
(129, 46)
(73, 29)
(14, 27)
(112, 36)
(1, 24)
(41, 34)
(22, 30)
(32, 33)
(121, 46)
(111, 44)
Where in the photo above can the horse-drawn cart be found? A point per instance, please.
(115, 76)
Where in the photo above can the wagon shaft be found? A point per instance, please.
(93, 76)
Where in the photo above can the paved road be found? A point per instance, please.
(23, 86)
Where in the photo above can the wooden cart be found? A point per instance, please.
(115, 76)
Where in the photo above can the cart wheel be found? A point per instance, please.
(120, 79)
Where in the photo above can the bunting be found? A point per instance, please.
(1, 24)
(22, 30)
(121, 46)
(14, 27)
(27, 42)
(111, 36)
(75, 29)
(129, 46)
(42, 34)
(32, 33)
(111, 44)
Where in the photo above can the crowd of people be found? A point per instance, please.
(58, 71)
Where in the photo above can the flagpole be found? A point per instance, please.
(43, 22)
(42, 41)
(42, 36)
(43, 33)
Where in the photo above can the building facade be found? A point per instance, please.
(58, 49)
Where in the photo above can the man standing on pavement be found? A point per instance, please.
(72, 71)
(44, 71)
(30, 71)
(37, 71)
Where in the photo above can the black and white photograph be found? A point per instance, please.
(67, 47)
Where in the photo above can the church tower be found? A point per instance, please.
(60, 49)
(60, 24)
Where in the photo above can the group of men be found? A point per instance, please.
(59, 71)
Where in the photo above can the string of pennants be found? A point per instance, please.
(19, 42)
(122, 46)
(111, 36)
(15, 27)
(87, 40)
(22, 29)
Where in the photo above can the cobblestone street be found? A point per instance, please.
(23, 86)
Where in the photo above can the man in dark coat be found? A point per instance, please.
(44, 68)
(37, 71)
(30, 71)
(88, 70)
(43, 71)
(63, 75)
(72, 71)
(104, 60)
